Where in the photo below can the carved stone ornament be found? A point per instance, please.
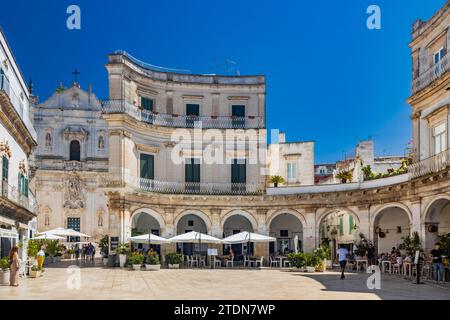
(22, 167)
(4, 149)
(73, 193)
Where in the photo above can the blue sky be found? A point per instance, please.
(329, 78)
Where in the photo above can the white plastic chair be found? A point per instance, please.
(286, 263)
(273, 262)
(192, 261)
(230, 262)
(260, 262)
(246, 261)
(217, 262)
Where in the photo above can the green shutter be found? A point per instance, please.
(192, 170)
(147, 103)
(350, 222)
(5, 168)
(147, 166)
(341, 226)
(238, 171)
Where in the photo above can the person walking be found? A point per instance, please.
(438, 267)
(342, 254)
(14, 266)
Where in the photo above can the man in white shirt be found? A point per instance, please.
(342, 255)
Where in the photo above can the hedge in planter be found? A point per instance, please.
(136, 258)
(174, 258)
(153, 258)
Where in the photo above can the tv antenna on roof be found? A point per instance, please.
(231, 67)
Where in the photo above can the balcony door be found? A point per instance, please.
(439, 138)
(5, 173)
(238, 116)
(147, 171)
(438, 56)
(147, 107)
(192, 174)
(238, 175)
(192, 114)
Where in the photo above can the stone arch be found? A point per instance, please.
(320, 217)
(150, 212)
(388, 223)
(293, 224)
(400, 205)
(194, 212)
(432, 203)
(243, 213)
(295, 213)
(436, 214)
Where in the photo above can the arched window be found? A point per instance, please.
(74, 150)
(101, 142)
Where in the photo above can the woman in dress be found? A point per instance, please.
(14, 267)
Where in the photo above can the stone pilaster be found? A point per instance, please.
(364, 222)
(310, 241)
(415, 208)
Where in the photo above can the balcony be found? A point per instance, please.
(17, 103)
(12, 194)
(204, 188)
(181, 121)
(431, 165)
(430, 75)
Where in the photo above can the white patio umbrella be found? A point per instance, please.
(195, 237)
(47, 237)
(149, 238)
(63, 232)
(296, 243)
(245, 236)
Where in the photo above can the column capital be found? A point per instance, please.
(215, 210)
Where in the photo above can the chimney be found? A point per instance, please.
(281, 137)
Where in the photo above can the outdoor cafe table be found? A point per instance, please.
(281, 258)
(361, 261)
(383, 266)
(407, 266)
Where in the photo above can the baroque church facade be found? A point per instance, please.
(71, 161)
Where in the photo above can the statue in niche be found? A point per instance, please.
(101, 142)
(73, 196)
(48, 139)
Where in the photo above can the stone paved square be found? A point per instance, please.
(205, 284)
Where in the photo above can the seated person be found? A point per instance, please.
(408, 258)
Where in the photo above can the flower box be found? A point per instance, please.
(152, 267)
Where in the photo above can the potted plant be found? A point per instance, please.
(152, 262)
(345, 176)
(276, 180)
(52, 249)
(174, 259)
(312, 261)
(4, 270)
(136, 259)
(122, 250)
(33, 248)
(297, 260)
(34, 272)
(104, 248)
(411, 244)
(71, 253)
(324, 255)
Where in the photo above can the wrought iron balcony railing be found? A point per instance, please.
(430, 75)
(430, 165)
(18, 104)
(182, 121)
(205, 188)
(13, 194)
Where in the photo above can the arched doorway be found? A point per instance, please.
(339, 227)
(288, 230)
(143, 222)
(233, 224)
(188, 222)
(390, 225)
(75, 150)
(437, 222)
